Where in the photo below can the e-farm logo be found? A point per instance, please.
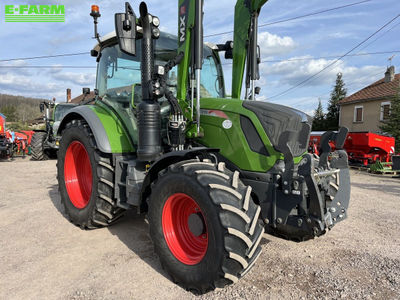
(34, 13)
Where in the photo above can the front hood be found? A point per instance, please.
(277, 119)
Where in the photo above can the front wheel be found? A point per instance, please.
(204, 225)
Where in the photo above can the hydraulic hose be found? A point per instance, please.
(176, 109)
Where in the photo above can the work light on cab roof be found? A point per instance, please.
(95, 11)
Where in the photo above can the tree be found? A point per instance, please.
(339, 92)
(10, 112)
(319, 118)
(392, 125)
(18, 108)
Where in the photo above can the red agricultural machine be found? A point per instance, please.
(5, 144)
(12, 142)
(367, 148)
(363, 148)
(29, 134)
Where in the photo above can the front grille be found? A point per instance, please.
(277, 119)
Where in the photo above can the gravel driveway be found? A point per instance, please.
(43, 256)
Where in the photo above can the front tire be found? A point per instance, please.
(86, 179)
(204, 225)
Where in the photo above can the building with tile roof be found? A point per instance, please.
(81, 98)
(366, 109)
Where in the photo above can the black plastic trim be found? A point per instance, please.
(277, 119)
(253, 138)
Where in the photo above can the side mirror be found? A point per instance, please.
(94, 53)
(257, 90)
(228, 48)
(41, 107)
(125, 28)
(86, 91)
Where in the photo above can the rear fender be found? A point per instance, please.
(110, 135)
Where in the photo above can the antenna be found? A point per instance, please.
(390, 60)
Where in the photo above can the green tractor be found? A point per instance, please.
(212, 173)
(44, 144)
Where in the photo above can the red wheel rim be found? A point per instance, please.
(78, 175)
(188, 247)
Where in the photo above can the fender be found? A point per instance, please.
(108, 131)
(167, 160)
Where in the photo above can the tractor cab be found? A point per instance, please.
(118, 73)
(44, 143)
(59, 111)
(119, 76)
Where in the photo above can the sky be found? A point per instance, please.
(292, 50)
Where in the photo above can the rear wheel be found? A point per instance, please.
(204, 225)
(86, 179)
(37, 146)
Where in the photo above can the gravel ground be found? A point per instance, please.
(43, 256)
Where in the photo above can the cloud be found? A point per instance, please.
(26, 84)
(80, 79)
(272, 44)
(30, 82)
(283, 75)
(293, 72)
(4, 67)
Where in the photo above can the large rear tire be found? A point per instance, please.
(86, 179)
(204, 225)
(37, 146)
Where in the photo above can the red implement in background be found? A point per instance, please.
(20, 141)
(12, 142)
(315, 141)
(362, 147)
(368, 147)
(29, 134)
(2, 124)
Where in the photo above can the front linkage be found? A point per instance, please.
(304, 201)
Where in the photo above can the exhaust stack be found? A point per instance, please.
(149, 118)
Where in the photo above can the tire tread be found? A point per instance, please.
(239, 212)
(105, 211)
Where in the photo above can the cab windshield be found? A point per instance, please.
(119, 77)
(60, 111)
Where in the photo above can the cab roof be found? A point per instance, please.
(112, 35)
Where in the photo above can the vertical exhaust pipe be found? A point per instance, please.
(148, 118)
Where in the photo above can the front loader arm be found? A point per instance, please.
(186, 23)
(244, 11)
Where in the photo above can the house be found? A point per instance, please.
(80, 98)
(366, 109)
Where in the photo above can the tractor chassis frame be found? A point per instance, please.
(133, 178)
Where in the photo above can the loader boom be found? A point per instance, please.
(245, 47)
(245, 12)
(186, 24)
